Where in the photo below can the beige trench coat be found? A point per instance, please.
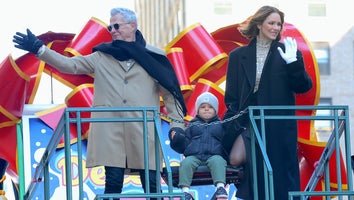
(117, 85)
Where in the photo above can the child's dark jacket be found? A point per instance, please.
(201, 139)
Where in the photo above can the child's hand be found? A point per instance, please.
(173, 133)
(177, 139)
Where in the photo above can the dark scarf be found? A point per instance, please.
(156, 65)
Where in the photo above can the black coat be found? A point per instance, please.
(278, 86)
(201, 139)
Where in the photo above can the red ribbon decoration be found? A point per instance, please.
(82, 96)
(204, 85)
(309, 154)
(69, 80)
(201, 52)
(34, 71)
(8, 149)
(176, 57)
(13, 85)
(93, 33)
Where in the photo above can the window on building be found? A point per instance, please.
(223, 7)
(321, 51)
(324, 127)
(316, 9)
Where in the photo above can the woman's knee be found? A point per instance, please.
(238, 152)
(236, 161)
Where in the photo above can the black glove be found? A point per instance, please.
(178, 143)
(27, 42)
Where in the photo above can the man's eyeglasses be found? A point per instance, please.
(115, 26)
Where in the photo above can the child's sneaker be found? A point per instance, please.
(188, 196)
(221, 193)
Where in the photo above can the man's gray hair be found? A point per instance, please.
(128, 15)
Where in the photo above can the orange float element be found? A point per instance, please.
(200, 62)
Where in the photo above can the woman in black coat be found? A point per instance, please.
(265, 73)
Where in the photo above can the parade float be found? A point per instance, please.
(200, 61)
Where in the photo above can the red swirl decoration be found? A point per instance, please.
(198, 57)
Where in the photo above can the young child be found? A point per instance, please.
(3, 166)
(201, 144)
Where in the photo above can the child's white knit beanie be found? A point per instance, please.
(209, 98)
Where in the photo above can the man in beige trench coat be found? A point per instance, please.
(127, 73)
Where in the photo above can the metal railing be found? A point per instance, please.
(340, 117)
(74, 115)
